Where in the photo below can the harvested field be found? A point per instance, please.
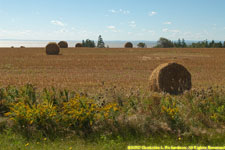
(89, 67)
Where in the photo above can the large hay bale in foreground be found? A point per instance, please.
(79, 45)
(52, 48)
(171, 78)
(128, 45)
(63, 44)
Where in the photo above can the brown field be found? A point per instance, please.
(89, 67)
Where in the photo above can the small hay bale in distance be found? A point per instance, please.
(171, 78)
(79, 45)
(63, 44)
(22, 46)
(128, 45)
(52, 48)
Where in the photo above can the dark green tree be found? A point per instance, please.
(224, 44)
(183, 44)
(100, 43)
(88, 43)
(218, 45)
(212, 44)
(179, 43)
(142, 45)
(164, 43)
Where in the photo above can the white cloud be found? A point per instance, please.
(171, 31)
(61, 31)
(132, 24)
(165, 30)
(120, 11)
(174, 31)
(58, 23)
(152, 32)
(112, 11)
(152, 13)
(111, 27)
(168, 23)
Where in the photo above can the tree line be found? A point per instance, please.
(166, 43)
(101, 43)
(162, 43)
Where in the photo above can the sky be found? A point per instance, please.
(113, 19)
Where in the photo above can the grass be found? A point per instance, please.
(10, 140)
(85, 68)
(118, 76)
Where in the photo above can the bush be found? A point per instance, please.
(114, 111)
(88, 43)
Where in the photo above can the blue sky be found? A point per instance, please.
(113, 19)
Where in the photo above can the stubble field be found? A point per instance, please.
(89, 68)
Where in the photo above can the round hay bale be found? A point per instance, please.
(52, 48)
(128, 45)
(171, 78)
(79, 45)
(63, 44)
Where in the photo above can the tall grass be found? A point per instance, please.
(112, 112)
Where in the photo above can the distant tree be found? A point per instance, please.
(218, 45)
(224, 44)
(100, 43)
(164, 43)
(179, 43)
(206, 43)
(183, 44)
(88, 43)
(107, 46)
(212, 44)
(142, 45)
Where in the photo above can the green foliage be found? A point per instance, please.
(101, 43)
(141, 45)
(51, 112)
(206, 44)
(164, 43)
(180, 44)
(88, 43)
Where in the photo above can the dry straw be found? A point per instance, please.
(52, 48)
(78, 45)
(128, 45)
(63, 44)
(171, 78)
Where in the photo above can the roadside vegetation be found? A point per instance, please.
(110, 118)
